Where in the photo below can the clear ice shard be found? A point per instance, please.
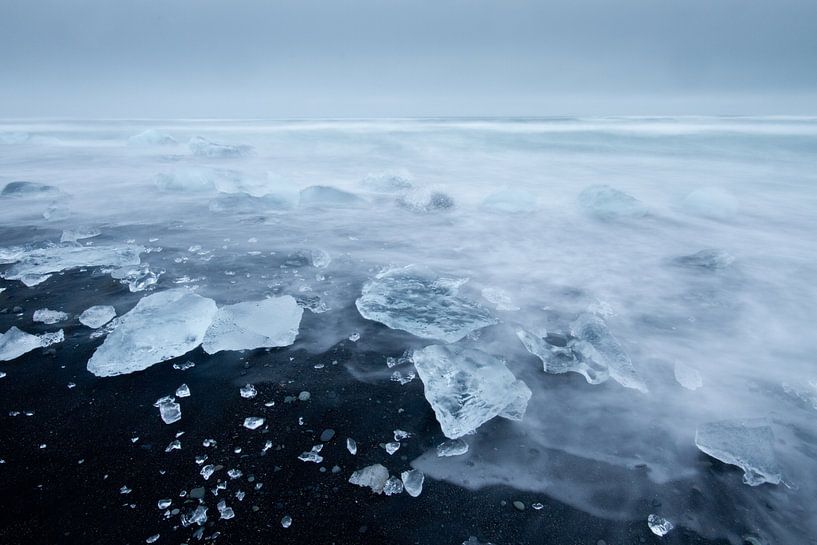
(468, 387)
(254, 324)
(33, 266)
(452, 447)
(393, 486)
(169, 410)
(425, 200)
(659, 525)
(205, 148)
(413, 482)
(591, 351)
(374, 476)
(253, 422)
(607, 203)
(748, 444)
(415, 300)
(48, 316)
(79, 233)
(14, 342)
(160, 327)
(97, 316)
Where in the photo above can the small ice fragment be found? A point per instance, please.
(304, 396)
(327, 435)
(537, 506)
(151, 137)
(174, 445)
(351, 445)
(72, 385)
(687, 376)
(392, 447)
(659, 526)
(354, 337)
(164, 503)
(97, 316)
(201, 458)
(208, 443)
(234, 473)
(253, 422)
(413, 482)
(373, 476)
(399, 435)
(748, 444)
(207, 471)
(14, 343)
(48, 316)
(125, 490)
(709, 259)
(183, 391)
(152, 539)
(205, 148)
(169, 410)
(452, 447)
(226, 512)
(79, 233)
(312, 455)
(248, 391)
(403, 378)
(286, 521)
(183, 366)
(320, 259)
(393, 486)
(197, 516)
(425, 200)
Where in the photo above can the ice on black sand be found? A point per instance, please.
(48, 316)
(452, 447)
(374, 476)
(253, 422)
(97, 316)
(169, 410)
(468, 387)
(659, 525)
(748, 444)
(14, 342)
(160, 327)
(255, 324)
(416, 300)
(413, 482)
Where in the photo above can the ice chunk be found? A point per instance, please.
(33, 265)
(510, 201)
(393, 486)
(48, 316)
(659, 525)
(606, 203)
(253, 422)
(183, 391)
(248, 391)
(391, 447)
(205, 148)
(413, 482)
(160, 327)
(452, 447)
(14, 343)
(500, 298)
(169, 410)
(80, 233)
(748, 444)
(187, 179)
(563, 357)
(425, 200)
(286, 521)
(254, 324)
(97, 316)
(151, 137)
(351, 445)
(137, 278)
(374, 476)
(711, 202)
(606, 349)
(197, 516)
(312, 455)
(468, 387)
(21, 189)
(687, 376)
(326, 196)
(415, 300)
(226, 512)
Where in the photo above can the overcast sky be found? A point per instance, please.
(336, 58)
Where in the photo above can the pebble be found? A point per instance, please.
(327, 435)
(519, 505)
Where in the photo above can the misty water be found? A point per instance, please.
(625, 308)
